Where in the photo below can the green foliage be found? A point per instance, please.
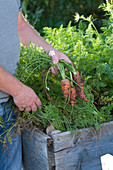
(91, 53)
(53, 13)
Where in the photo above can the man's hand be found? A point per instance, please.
(24, 97)
(27, 99)
(27, 34)
(56, 56)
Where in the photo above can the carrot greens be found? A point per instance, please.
(91, 53)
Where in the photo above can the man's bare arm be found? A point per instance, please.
(23, 96)
(27, 34)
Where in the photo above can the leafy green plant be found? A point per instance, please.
(53, 13)
(91, 53)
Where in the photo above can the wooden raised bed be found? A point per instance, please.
(63, 151)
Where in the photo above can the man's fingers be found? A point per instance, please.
(38, 102)
(28, 109)
(34, 108)
(21, 109)
(53, 70)
(55, 59)
(65, 58)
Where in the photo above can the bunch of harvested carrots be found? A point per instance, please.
(71, 90)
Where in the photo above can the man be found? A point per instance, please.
(13, 30)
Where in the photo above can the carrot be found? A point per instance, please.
(66, 87)
(73, 97)
(79, 81)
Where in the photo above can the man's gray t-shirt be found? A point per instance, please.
(9, 38)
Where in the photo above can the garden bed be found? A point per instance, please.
(64, 151)
(92, 55)
(89, 121)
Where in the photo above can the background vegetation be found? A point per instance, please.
(53, 13)
(92, 54)
(88, 43)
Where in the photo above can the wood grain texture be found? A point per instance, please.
(82, 150)
(83, 136)
(35, 150)
(63, 151)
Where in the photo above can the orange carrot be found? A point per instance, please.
(73, 97)
(66, 87)
(79, 81)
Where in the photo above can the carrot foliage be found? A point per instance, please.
(92, 55)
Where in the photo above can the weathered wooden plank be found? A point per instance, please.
(51, 158)
(83, 157)
(63, 151)
(62, 141)
(83, 153)
(37, 139)
(35, 150)
(84, 136)
(68, 159)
